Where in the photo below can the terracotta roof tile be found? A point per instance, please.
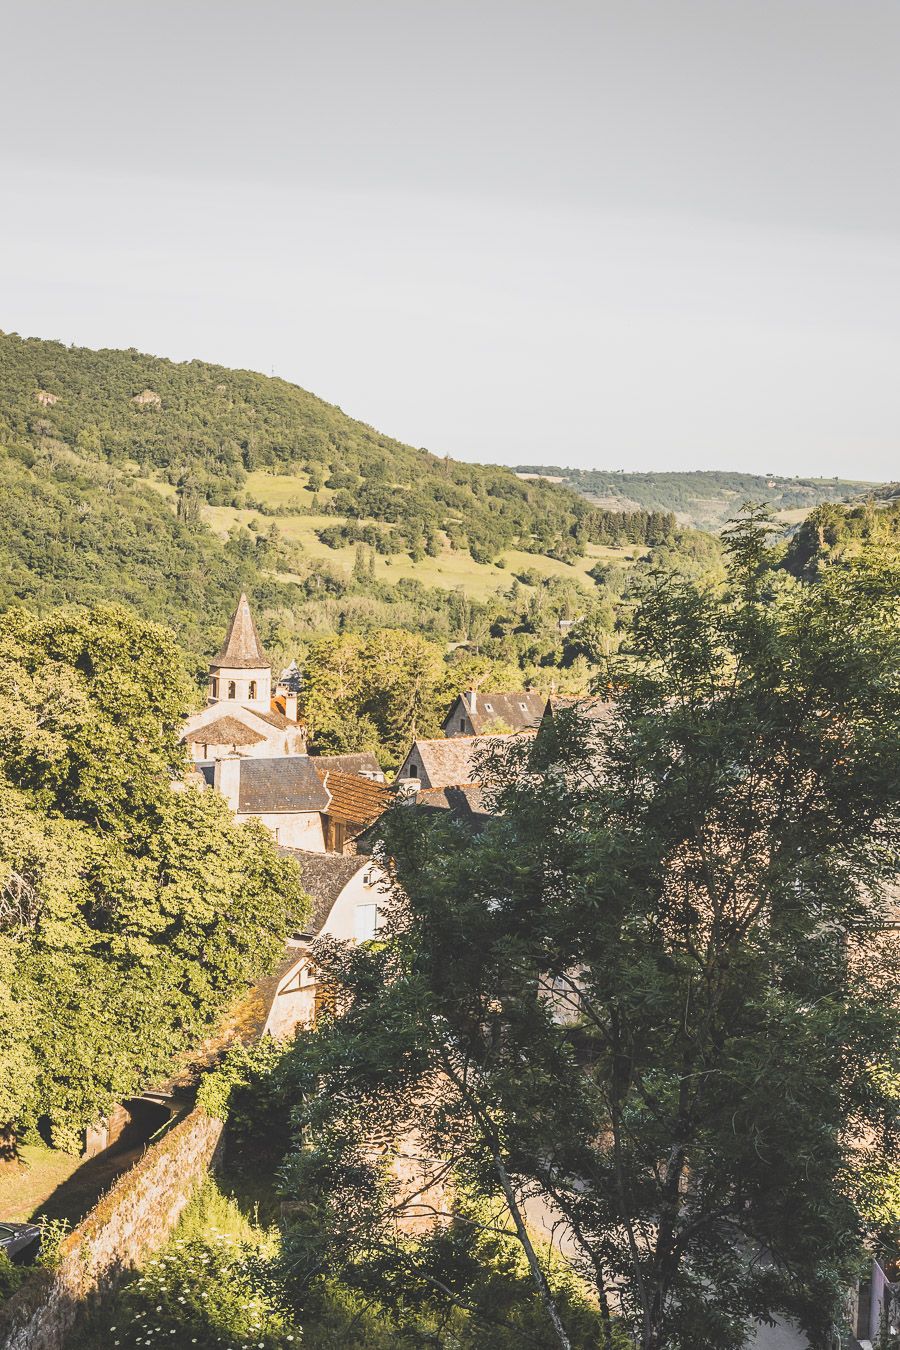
(356, 800)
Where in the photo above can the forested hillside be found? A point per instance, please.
(173, 487)
(703, 499)
(204, 428)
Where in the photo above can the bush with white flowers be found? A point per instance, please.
(216, 1293)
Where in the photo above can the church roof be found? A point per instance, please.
(242, 649)
(224, 731)
(285, 784)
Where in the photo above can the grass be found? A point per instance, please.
(26, 1189)
(449, 570)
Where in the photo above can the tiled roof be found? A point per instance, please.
(324, 876)
(224, 731)
(360, 762)
(242, 649)
(449, 762)
(595, 709)
(291, 678)
(273, 717)
(356, 800)
(520, 709)
(465, 803)
(284, 784)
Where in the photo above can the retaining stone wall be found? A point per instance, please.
(133, 1219)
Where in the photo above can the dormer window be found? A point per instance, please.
(523, 707)
(252, 689)
(489, 707)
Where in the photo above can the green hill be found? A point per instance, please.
(204, 429)
(703, 499)
(174, 486)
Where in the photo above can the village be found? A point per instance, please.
(250, 744)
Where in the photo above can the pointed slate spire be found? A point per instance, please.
(242, 649)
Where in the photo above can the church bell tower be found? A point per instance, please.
(241, 671)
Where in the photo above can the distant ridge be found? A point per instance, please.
(703, 498)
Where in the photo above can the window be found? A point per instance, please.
(413, 771)
(489, 707)
(214, 688)
(365, 923)
(232, 690)
(523, 707)
(462, 724)
(252, 690)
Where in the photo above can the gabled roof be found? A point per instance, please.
(224, 731)
(590, 708)
(360, 762)
(464, 803)
(283, 784)
(323, 877)
(519, 709)
(242, 649)
(356, 800)
(449, 762)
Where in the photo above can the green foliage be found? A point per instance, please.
(839, 534)
(130, 912)
(11, 1277)
(204, 427)
(599, 997)
(706, 499)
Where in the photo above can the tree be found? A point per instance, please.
(131, 912)
(656, 992)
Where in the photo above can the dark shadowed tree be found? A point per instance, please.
(655, 996)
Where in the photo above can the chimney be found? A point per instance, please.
(473, 700)
(290, 706)
(227, 779)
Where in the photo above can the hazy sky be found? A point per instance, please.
(617, 234)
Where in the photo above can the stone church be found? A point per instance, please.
(250, 744)
(241, 716)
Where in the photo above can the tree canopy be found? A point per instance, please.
(130, 912)
(655, 995)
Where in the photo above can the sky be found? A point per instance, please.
(624, 234)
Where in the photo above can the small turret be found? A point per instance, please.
(241, 671)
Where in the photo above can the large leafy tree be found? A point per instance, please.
(130, 911)
(656, 996)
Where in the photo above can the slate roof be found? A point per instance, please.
(592, 709)
(361, 762)
(224, 731)
(356, 800)
(291, 678)
(324, 876)
(465, 803)
(273, 717)
(242, 649)
(504, 707)
(284, 784)
(449, 762)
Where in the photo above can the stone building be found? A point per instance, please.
(241, 717)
